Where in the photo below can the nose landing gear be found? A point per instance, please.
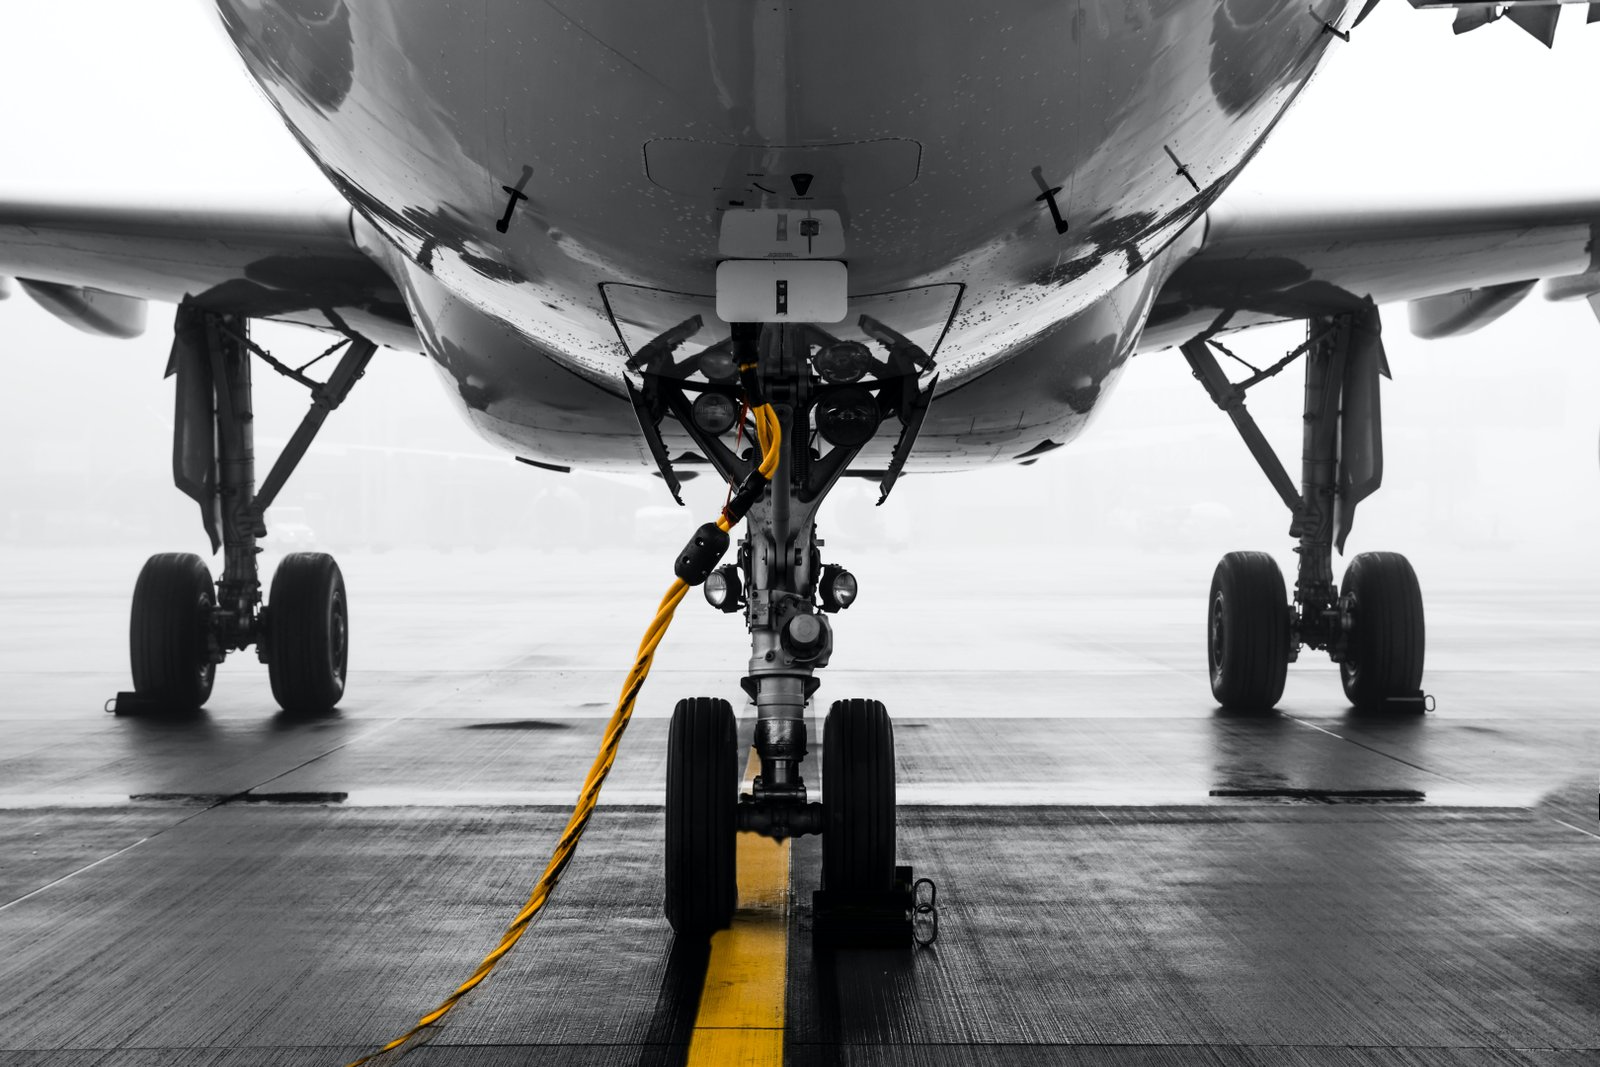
(825, 392)
(1373, 625)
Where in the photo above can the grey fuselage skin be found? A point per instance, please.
(545, 182)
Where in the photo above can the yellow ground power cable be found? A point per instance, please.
(770, 435)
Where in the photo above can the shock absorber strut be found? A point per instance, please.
(788, 639)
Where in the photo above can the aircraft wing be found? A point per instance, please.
(95, 264)
(1461, 266)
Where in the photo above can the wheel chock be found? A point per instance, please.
(1417, 703)
(136, 704)
(902, 918)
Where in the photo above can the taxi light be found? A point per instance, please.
(838, 588)
(722, 588)
(848, 416)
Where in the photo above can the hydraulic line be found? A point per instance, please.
(770, 436)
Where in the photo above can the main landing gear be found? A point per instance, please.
(831, 397)
(183, 625)
(1372, 624)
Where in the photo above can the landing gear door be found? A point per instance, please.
(194, 443)
(1360, 423)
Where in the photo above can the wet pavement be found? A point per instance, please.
(1126, 874)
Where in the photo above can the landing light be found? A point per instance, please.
(838, 588)
(714, 413)
(722, 588)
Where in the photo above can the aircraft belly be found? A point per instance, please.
(514, 391)
(525, 156)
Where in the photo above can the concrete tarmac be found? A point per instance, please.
(1126, 874)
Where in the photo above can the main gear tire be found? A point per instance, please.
(858, 793)
(307, 634)
(168, 632)
(702, 798)
(1247, 632)
(1384, 655)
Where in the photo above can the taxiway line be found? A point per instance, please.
(741, 1018)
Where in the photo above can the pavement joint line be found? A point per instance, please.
(1581, 830)
(1373, 750)
(108, 858)
(220, 802)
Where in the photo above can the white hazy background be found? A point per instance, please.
(1491, 439)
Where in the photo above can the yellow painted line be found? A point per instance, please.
(741, 1018)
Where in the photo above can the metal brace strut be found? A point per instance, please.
(325, 398)
(1230, 398)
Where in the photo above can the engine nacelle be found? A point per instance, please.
(1465, 310)
(90, 310)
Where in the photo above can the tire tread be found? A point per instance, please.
(702, 780)
(1255, 660)
(166, 632)
(858, 846)
(1389, 641)
(304, 681)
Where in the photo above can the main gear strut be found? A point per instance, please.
(1373, 626)
(182, 626)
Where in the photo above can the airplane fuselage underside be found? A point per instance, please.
(546, 184)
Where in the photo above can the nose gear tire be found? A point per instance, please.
(307, 633)
(172, 602)
(1384, 657)
(702, 798)
(1247, 632)
(859, 797)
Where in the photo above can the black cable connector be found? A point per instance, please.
(702, 554)
(745, 497)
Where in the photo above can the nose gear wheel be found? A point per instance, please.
(702, 798)
(859, 797)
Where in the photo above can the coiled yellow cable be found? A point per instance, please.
(770, 435)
